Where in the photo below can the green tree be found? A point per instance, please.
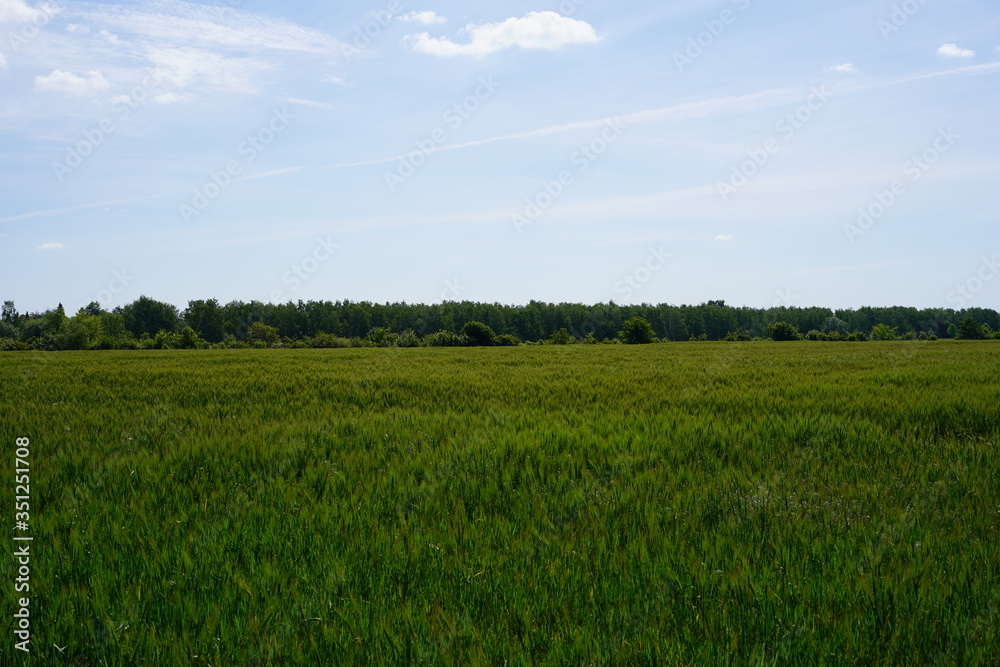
(637, 331)
(507, 340)
(883, 332)
(783, 331)
(969, 329)
(262, 334)
(562, 337)
(148, 316)
(479, 334)
(207, 318)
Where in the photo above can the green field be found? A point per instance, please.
(691, 503)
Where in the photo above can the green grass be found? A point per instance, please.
(689, 503)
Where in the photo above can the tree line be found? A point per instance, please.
(148, 323)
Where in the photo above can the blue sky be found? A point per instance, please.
(765, 153)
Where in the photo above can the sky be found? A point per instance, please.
(834, 153)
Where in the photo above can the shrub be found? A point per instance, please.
(783, 331)
(561, 337)
(444, 339)
(507, 340)
(262, 333)
(883, 332)
(738, 336)
(478, 334)
(637, 331)
(408, 338)
(383, 337)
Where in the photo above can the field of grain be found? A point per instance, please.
(712, 503)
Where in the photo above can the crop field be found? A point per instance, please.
(689, 503)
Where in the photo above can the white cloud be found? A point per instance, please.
(71, 84)
(18, 11)
(955, 51)
(186, 67)
(724, 237)
(427, 18)
(536, 30)
(76, 28)
(3, 61)
(310, 103)
(846, 67)
(51, 246)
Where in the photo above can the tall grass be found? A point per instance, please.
(670, 504)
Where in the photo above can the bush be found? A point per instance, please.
(408, 338)
(444, 339)
(507, 340)
(561, 337)
(262, 333)
(738, 336)
(783, 331)
(637, 331)
(969, 329)
(857, 336)
(816, 335)
(883, 332)
(383, 337)
(478, 334)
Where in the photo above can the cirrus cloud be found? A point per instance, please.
(71, 84)
(846, 67)
(955, 51)
(51, 246)
(535, 30)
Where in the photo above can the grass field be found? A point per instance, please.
(693, 503)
